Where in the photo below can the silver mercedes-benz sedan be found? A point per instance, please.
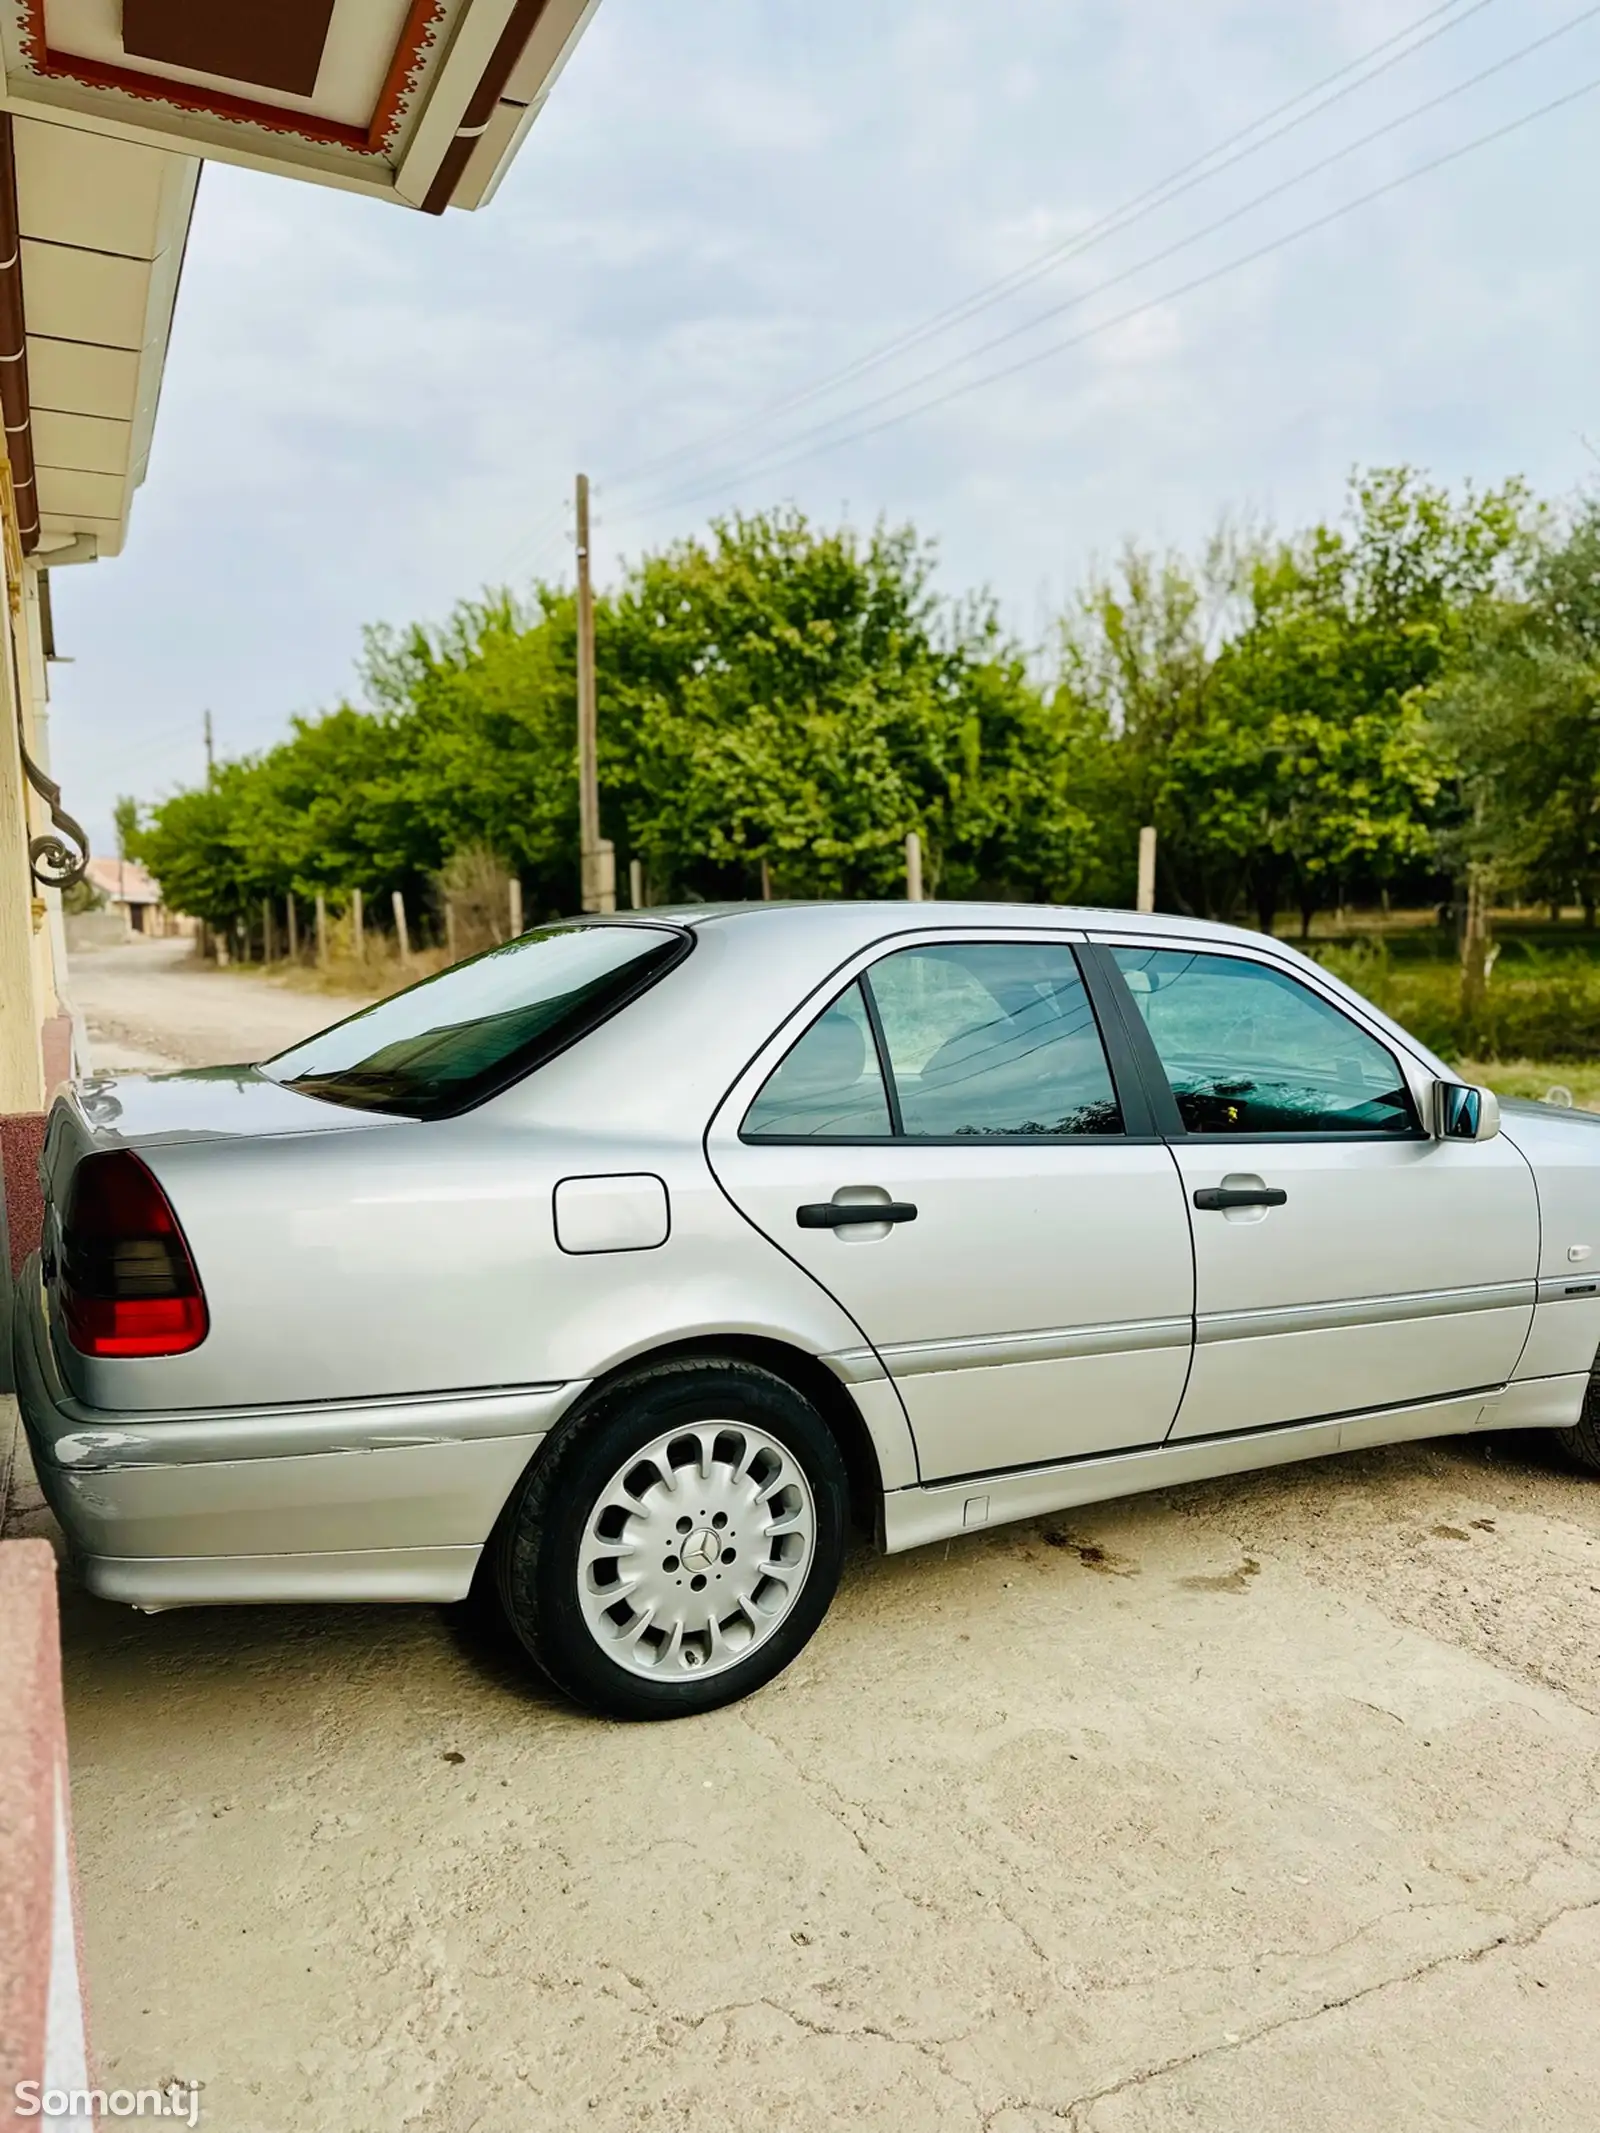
(621, 1268)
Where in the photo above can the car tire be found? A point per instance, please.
(1582, 1443)
(711, 1498)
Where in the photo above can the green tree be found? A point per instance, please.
(195, 847)
(1265, 708)
(778, 695)
(125, 823)
(1138, 652)
(1518, 718)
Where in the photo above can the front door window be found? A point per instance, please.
(1250, 1050)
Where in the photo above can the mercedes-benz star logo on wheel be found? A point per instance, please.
(700, 1550)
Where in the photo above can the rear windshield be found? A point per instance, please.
(446, 1044)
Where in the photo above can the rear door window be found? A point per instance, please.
(991, 1039)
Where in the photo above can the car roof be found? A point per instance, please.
(856, 923)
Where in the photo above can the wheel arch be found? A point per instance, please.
(807, 1374)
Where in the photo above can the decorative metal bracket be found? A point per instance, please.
(54, 864)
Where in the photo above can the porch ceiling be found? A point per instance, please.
(419, 101)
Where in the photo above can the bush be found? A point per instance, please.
(474, 888)
(1542, 1003)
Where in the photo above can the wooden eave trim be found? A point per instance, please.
(374, 139)
(523, 21)
(16, 409)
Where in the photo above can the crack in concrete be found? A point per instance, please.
(1076, 2113)
(929, 2049)
(814, 1789)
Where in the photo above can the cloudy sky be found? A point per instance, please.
(728, 203)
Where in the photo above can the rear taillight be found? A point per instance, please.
(128, 1285)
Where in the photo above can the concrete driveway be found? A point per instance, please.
(1268, 1804)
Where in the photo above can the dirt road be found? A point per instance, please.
(153, 1004)
(1270, 1803)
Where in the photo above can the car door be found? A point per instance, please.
(1344, 1258)
(947, 1150)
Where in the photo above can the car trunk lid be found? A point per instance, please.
(106, 1111)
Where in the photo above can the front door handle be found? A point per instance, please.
(842, 1214)
(1216, 1199)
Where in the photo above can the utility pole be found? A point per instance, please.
(211, 753)
(598, 894)
(1147, 870)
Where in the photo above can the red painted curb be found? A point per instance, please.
(41, 2020)
(21, 1139)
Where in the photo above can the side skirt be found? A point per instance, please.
(912, 1517)
(154, 1583)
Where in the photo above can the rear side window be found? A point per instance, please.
(446, 1044)
(829, 1086)
(1249, 1049)
(980, 1040)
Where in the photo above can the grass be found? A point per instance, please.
(1542, 1002)
(1540, 1027)
(372, 976)
(1537, 1078)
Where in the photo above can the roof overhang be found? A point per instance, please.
(92, 231)
(108, 108)
(423, 102)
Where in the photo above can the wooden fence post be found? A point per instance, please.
(515, 899)
(913, 868)
(268, 944)
(294, 931)
(1147, 870)
(636, 883)
(401, 933)
(322, 930)
(450, 928)
(358, 926)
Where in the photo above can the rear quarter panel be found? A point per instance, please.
(423, 1258)
(426, 1261)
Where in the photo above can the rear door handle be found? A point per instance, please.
(1215, 1199)
(843, 1214)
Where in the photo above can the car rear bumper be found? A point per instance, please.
(359, 1500)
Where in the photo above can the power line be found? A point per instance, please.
(711, 484)
(786, 452)
(1199, 281)
(1237, 148)
(166, 741)
(541, 542)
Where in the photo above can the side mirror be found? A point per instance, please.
(1463, 1113)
